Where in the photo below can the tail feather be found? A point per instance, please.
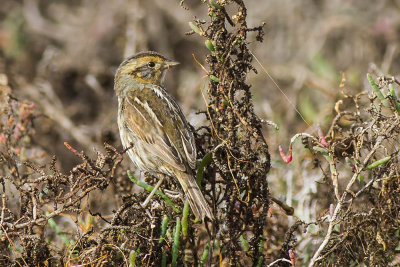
(197, 202)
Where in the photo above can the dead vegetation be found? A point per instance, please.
(241, 161)
(81, 207)
(361, 166)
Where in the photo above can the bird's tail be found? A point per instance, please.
(197, 202)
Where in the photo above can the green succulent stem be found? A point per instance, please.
(200, 170)
(378, 163)
(195, 28)
(185, 218)
(395, 100)
(204, 256)
(260, 251)
(164, 225)
(377, 91)
(214, 78)
(214, 4)
(132, 258)
(163, 258)
(210, 46)
(176, 244)
(244, 243)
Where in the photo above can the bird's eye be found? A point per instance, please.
(151, 64)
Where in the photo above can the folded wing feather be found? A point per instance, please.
(159, 123)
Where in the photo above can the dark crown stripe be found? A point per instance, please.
(142, 54)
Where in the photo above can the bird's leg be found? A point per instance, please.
(144, 204)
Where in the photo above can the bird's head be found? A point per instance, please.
(144, 68)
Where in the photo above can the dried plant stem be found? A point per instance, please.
(3, 206)
(278, 260)
(339, 205)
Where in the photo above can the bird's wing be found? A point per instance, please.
(154, 117)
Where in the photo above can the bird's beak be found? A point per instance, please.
(169, 63)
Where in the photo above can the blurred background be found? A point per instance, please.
(62, 56)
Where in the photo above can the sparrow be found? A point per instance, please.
(153, 128)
